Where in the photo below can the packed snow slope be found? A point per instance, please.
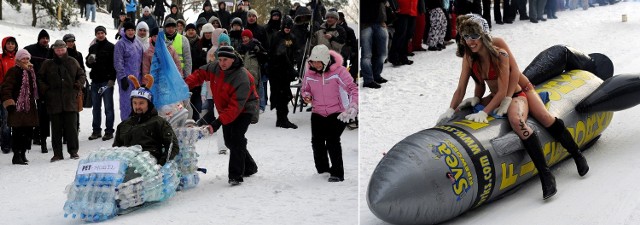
(416, 95)
(286, 189)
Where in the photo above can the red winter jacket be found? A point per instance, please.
(234, 90)
(408, 7)
(7, 59)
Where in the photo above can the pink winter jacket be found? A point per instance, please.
(332, 91)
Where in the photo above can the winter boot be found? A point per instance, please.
(560, 133)
(23, 155)
(283, 121)
(17, 158)
(532, 145)
(43, 145)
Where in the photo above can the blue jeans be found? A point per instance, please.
(90, 8)
(5, 130)
(107, 97)
(373, 41)
(264, 78)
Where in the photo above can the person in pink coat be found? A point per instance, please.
(330, 88)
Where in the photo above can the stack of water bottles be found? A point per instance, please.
(92, 195)
(187, 159)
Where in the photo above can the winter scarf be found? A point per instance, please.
(24, 104)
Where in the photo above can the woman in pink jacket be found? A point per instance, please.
(330, 88)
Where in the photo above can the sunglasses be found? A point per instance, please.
(471, 36)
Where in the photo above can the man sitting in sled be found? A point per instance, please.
(144, 127)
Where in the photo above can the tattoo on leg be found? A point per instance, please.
(523, 128)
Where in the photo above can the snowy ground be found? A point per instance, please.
(416, 95)
(286, 190)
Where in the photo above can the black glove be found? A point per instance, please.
(124, 83)
(216, 125)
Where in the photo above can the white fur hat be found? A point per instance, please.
(206, 28)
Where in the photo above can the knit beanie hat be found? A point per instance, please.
(224, 38)
(68, 37)
(129, 26)
(252, 12)
(181, 21)
(247, 33)
(59, 44)
(21, 54)
(146, 9)
(154, 31)
(170, 22)
(226, 51)
(320, 53)
(207, 28)
(237, 21)
(43, 33)
(101, 28)
(333, 14)
(190, 26)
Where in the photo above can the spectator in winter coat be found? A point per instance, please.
(180, 44)
(19, 93)
(224, 15)
(127, 60)
(174, 13)
(59, 81)
(215, 22)
(259, 32)
(190, 34)
(237, 102)
(148, 18)
(241, 12)
(325, 84)
(302, 33)
(330, 33)
(180, 25)
(91, 9)
(236, 33)
(374, 37)
(159, 10)
(350, 49)
(207, 11)
(147, 58)
(38, 52)
(142, 35)
(404, 28)
(199, 23)
(7, 61)
(72, 51)
(438, 27)
(103, 77)
(146, 128)
(116, 8)
(219, 38)
(282, 55)
(273, 26)
(122, 19)
(130, 8)
(253, 55)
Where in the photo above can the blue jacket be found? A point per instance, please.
(131, 6)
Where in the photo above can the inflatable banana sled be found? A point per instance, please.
(439, 173)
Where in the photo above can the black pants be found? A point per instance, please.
(325, 138)
(21, 138)
(196, 102)
(405, 25)
(42, 131)
(64, 124)
(240, 161)
(522, 8)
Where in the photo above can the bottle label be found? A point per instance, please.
(99, 167)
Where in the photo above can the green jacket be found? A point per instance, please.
(150, 131)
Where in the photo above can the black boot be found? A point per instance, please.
(283, 121)
(560, 133)
(17, 159)
(43, 145)
(23, 155)
(532, 145)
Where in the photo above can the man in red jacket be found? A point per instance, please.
(405, 25)
(236, 99)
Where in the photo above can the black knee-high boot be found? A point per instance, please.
(532, 145)
(560, 133)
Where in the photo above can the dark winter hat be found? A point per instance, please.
(170, 22)
(200, 22)
(190, 26)
(43, 33)
(129, 26)
(59, 44)
(206, 3)
(154, 31)
(287, 23)
(123, 13)
(341, 15)
(101, 28)
(276, 12)
(173, 6)
(247, 33)
(226, 51)
(237, 21)
(68, 38)
(303, 15)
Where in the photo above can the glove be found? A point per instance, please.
(216, 125)
(348, 115)
(124, 83)
(469, 102)
(102, 89)
(479, 117)
(504, 106)
(111, 83)
(446, 116)
(91, 59)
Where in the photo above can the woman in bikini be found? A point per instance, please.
(488, 60)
